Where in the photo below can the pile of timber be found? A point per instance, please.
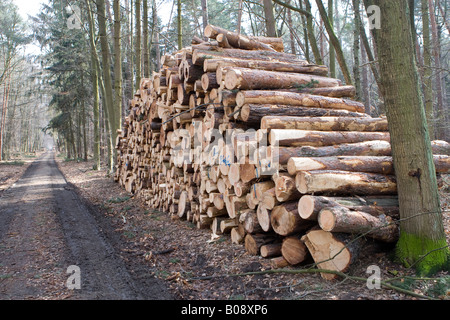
(239, 137)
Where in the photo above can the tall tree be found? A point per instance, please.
(437, 64)
(422, 241)
(179, 26)
(146, 55)
(205, 20)
(117, 67)
(138, 43)
(95, 87)
(271, 26)
(332, 53)
(156, 35)
(427, 73)
(108, 95)
(356, 50)
(335, 42)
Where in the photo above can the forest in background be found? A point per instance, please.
(70, 88)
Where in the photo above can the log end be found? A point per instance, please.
(306, 207)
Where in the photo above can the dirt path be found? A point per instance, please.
(44, 229)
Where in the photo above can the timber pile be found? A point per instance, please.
(193, 146)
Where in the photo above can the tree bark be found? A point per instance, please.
(335, 41)
(285, 219)
(249, 79)
(325, 123)
(138, 44)
(309, 206)
(336, 182)
(255, 113)
(297, 99)
(422, 236)
(297, 138)
(332, 251)
(341, 219)
(271, 26)
(294, 250)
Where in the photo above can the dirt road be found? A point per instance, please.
(46, 231)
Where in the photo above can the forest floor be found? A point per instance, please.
(179, 261)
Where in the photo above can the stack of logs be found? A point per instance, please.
(237, 136)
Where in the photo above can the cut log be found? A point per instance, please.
(298, 138)
(285, 219)
(251, 224)
(285, 189)
(297, 99)
(336, 92)
(345, 183)
(227, 224)
(278, 262)
(440, 147)
(294, 250)
(341, 219)
(253, 242)
(209, 81)
(236, 40)
(332, 251)
(237, 234)
(366, 148)
(199, 55)
(325, 123)
(211, 65)
(309, 206)
(370, 164)
(250, 79)
(263, 216)
(270, 250)
(254, 113)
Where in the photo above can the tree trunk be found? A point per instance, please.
(442, 115)
(297, 99)
(335, 41)
(325, 123)
(285, 219)
(299, 67)
(332, 251)
(341, 219)
(271, 26)
(146, 53)
(138, 43)
(205, 20)
(108, 86)
(297, 138)
(179, 26)
(237, 40)
(345, 183)
(332, 53)
(427, 71)
(294, 250)
(356, 50)
(117, 68)
(311, 36)
(309, 206)
(255, 113)
(249, 79)
(422, 241)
